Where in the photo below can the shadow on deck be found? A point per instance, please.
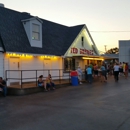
(31, 87)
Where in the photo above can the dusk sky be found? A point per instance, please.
(107, 20)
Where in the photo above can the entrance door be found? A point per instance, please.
(14, 65)
(46, 67)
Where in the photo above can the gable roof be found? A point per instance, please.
(56, 38)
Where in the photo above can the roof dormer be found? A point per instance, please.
(33, 29)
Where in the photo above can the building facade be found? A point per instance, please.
(29, 44)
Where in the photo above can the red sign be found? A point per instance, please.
(75, 50)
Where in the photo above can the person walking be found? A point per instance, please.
(116, 72)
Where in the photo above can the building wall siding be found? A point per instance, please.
(33, 67)
(1, 65)
(124, 51)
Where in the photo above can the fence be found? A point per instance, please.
(22, 78)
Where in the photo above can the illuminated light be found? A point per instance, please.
(41, 56)
(87, 58)
(22, 55)
(19, 55)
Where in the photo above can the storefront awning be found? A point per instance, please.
(97, 57)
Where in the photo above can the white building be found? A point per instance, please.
(124, 51)
(29, 45)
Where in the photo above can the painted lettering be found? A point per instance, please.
(74, 50)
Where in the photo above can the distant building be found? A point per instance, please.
(124, 51)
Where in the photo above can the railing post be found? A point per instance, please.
(48, 72)
(6, 75)
(59, 77)
(69, 76)
(36, 78)
(21, 79)
(6, 78)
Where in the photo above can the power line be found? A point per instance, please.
(109, 31)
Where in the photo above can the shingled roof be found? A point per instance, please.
(56, 38)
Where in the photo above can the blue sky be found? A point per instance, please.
(102, 17)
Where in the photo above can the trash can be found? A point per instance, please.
(74, 78)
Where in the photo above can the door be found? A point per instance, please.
(47, 67)
(14, 65)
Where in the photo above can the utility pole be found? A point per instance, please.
(105, 48)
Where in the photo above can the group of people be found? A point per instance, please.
(91, 71)
(47, 84)
(116, 69)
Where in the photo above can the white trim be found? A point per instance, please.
(73, 42)
(30, 19)
(1, 49)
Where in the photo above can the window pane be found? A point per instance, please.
(69, 64)
(35, 28)
(35, 36)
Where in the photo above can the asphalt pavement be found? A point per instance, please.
(96, 106)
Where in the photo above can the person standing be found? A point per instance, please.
(124, 67)
(116, 72)
(79, 71)
(95, 68)
(126, 70)
(120, 69)
(103, 73)
(129, 67)
(86, 75)
(89, 73)
(3, 86)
